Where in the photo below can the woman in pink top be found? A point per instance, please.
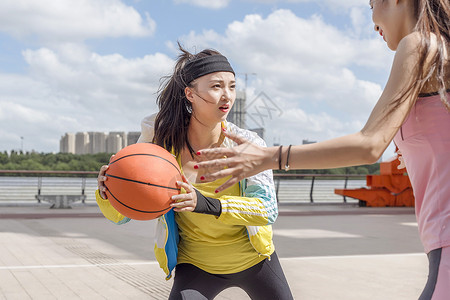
(413, 110)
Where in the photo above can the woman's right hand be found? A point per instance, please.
(101, 181)
(101, 178)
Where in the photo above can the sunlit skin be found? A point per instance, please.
(395, 21)
(212, 96)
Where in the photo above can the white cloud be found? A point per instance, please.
(80, 73)
(68, 20)
(212, 4)
(72, 89)
(305, 62)
(306, 66)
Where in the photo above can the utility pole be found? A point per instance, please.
(242, 107)
(21, 143)
(246, 80)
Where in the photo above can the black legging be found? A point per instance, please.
(264, 280)
(434, 259)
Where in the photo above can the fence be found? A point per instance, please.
(29, 186)
(24, 186)
(316, 188)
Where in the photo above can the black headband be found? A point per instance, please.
(205, 65)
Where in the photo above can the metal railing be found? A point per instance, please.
(26, 186)
(279, 177)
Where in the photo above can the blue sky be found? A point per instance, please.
(94, 65)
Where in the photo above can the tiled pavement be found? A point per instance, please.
(327, 252)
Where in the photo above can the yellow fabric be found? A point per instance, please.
(261, 239)
(214, 246)
(233, 242)
(243, 211)
(107, 209)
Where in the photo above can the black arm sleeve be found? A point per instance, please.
(206, 205)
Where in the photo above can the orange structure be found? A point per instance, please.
(391, 188)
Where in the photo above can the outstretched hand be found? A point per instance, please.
(244, 160)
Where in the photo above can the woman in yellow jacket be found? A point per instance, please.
(215, 240)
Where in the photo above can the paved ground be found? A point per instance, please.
(327, 252)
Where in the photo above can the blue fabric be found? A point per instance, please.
(266, 194)
(124, 220)
(173, 238)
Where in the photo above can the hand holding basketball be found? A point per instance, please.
(141, 179)
(101, 180)
(187, 201)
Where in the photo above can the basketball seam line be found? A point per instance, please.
(143, 211)
(146, 183)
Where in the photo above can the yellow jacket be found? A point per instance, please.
(255, 208)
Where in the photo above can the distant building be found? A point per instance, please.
(133, 137)
(96, 142)
(115, 141)
(237, 112)
(123, 135)
(67, 143)
(305, 142)
(81, 142)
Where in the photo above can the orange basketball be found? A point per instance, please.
(141, 179)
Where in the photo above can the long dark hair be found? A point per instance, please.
(172, 120)
(433, 17)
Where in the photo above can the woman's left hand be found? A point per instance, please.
(187, 201)
(401, 159)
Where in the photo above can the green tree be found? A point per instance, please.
(337, 171)
(29, 164)
(362, 170)
(4, 158)
(62, 166)
(11, 166)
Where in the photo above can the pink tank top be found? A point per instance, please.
(424, 141)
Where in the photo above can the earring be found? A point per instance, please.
(188, 106)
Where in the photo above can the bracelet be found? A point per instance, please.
(279, 157)
(286, 166)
